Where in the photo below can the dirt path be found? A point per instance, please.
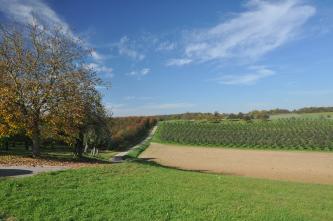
(118, 158)
(309, 167)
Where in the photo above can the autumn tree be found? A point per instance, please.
(44, 82)
(92, 130)
(95, 132)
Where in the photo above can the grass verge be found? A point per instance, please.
(134, 153)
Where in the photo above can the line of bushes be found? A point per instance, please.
(129, 131)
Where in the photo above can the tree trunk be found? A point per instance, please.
(86, 148)
(78, 148)
(36, 140)
(79, 145)
(26, 144)
(6, 145)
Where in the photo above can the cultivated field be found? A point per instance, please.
(310, 167)
(300, 134)
(273, 149)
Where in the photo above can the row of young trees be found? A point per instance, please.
(46, 89)
(315, 134)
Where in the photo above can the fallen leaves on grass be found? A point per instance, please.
(13, 160)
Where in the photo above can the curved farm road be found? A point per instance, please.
(309, 167)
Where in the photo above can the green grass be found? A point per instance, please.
(136, 191)
(106, 154)
(136, 152)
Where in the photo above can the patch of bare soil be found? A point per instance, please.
(308, 167)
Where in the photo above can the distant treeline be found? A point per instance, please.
(305, 110)
(314, 110)
(128, 131)
(255, 114)
(124, 132)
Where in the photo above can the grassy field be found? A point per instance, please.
(323, 115)
(136, 191)
(284, 134)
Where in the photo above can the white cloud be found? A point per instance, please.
(126, 48)
(257, 73)
(263, 27)
(99, 68)
(166, 46)
(139, 73)
(145, 71)
(25, 11)
(96, 56)
(32, 11)
(178, 62)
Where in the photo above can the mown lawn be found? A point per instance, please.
(136, 191)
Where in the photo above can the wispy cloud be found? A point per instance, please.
(32, 11)
(139, 73)
(263, 27)
(96, 56)
(178, 62)
(256, 73)
(166, 46)
(24, 11)
(101, 69)
(127, 48)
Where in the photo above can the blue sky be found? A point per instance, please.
(175, 56)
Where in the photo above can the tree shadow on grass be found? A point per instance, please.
(14, 172)
(72, 159)
(151, 162)
(50, 156)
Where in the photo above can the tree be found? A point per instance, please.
(43, 83)
(94, 131)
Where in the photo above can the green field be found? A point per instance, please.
(295, 134)
(136, 191)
